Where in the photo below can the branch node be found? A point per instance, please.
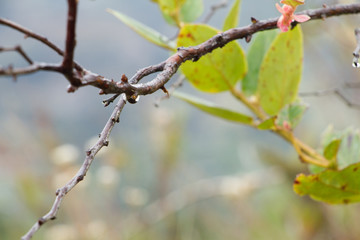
(106, 143)
(80, 178)
(88, 152)
(57, 192)
(41, 221)
(71, 88)
(124, 79)
(219, 39)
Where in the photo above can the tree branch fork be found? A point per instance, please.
(80, 77)
(129, 89)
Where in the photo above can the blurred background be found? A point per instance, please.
(170, 172)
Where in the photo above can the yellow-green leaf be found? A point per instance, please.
(331, 150)
(267, 124)
(280, 72)
(177, 11)
(232, 19)
(214, 110)
(349, 149)
(146, 32)
(217, 71)
(259, 46)
(331, 186)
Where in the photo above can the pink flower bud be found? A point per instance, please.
(288, 16)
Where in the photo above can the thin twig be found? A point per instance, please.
(10, 71)
(178, 83)
(107, 102)
(79, 176)
(19, 50)
(356, 52)
(31, 34)
(331, 91)
(213, 9)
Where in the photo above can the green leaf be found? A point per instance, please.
(191, 10)
(349, 151)
(260, 44)
(346, 145)
(146, 32)
(214, 110)
(232, 19)
(331, 186)
(177, 11)
(280, 72)
(217, 71)
(332, 149)
(291, 114)
(267, 124)
(293, 3)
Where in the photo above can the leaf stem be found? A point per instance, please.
(306, 153)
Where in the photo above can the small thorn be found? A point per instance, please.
(124, 79)
(253, 20)
(106, 143)
(248, 38)
(41, 221)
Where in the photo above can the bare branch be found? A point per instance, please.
(10, 71)
(31, 34)
(107, 102)
(67, 64)
(169, 67)
(79, 176)
(178, 83)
